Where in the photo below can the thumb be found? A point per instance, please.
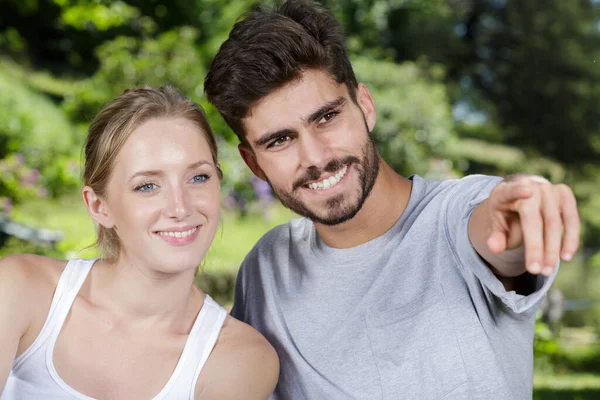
(497, 242)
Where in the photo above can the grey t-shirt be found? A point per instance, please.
(412, 314)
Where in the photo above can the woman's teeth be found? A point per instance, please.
(178, 234)
(329, 182)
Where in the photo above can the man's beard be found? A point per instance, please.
(338, 208)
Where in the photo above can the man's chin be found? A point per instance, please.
(333, 217)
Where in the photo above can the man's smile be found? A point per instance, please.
(330, 181)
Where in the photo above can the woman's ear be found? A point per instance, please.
(97, 208)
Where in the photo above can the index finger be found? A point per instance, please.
(510, 191)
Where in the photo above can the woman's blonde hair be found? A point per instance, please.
(113, 125)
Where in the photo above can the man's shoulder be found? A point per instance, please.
(452, 182)
(430, 190)
(294, 230)
(275, 244)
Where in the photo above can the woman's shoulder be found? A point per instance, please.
(243, 364)
(238, 336)
(30, 271)
(27, 284)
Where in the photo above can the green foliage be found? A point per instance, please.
(532, 68)
(545, 348)
(102, 15)
(566, 387)
(171, 58)
(18, 182)
(34, 133)
(67, 215)
(586, 186)
(528, 70)
(400, 29)
(505, 160)
(16, 246)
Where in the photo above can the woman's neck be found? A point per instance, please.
(142, 297)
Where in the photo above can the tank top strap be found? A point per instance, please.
(68, 287)
(200, 343)
(69, 283)
(207, 336)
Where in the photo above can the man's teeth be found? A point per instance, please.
(179, 234)
(329, 182)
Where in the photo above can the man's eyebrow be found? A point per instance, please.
(318, 114)
(267, 137)
(314, 116)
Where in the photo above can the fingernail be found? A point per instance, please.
(567, 256)
(547, 271)
(535, 268)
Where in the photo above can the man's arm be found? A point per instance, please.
(525, 224)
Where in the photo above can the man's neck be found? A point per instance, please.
(382, 209)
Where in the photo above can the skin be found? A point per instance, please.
(127, 327)
(525, 224)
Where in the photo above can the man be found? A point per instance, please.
(389, 287)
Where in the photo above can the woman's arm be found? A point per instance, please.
(15, 309)
(243, 365)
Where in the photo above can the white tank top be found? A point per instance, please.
(33, 376)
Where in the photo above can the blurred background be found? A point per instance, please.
(461, 87)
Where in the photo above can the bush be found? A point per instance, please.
(35, 138)
(171, 58)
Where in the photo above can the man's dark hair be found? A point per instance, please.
(267, 50)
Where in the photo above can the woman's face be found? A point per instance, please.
(163, 196)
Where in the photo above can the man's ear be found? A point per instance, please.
(250, 160)
(97, 208)
(367, 105)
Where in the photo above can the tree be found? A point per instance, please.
(535, 65)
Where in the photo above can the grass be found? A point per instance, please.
(67, 215)
(236, 236)
(566, 387)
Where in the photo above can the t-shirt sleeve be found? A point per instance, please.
(462, 200)
(238, 311)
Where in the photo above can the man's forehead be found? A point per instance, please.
(294, 102)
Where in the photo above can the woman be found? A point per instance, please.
(132, 325)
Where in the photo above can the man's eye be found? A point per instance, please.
(145, 187)
(328, 117)
(279, 141)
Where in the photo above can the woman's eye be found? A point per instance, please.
(200, 178)
(145, 187)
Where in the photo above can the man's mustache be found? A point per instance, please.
(314, 173)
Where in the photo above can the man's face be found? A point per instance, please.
(311, 142)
